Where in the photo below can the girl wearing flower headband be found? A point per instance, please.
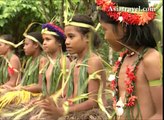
(54, 47)
(137, 84)
(10, 66)
(86, 72)
(52, 73)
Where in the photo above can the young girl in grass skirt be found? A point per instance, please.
(29, 84)
(54, 46)
(86, 80)
(10, 64)
(53, 73)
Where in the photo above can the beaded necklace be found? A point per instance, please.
(130, 97)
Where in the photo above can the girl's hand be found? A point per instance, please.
(34, 102)
(10, 88)
(50, 108)
(6, 87)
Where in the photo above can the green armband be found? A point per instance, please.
(155, 82)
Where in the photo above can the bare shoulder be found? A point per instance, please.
(94, 60)
(94, 63)
(14, 59)
(152, 64)
(43, 59)
(152, 56)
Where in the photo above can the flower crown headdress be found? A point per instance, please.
(130, 16)
(50, 28)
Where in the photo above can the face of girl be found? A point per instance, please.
(29, 47)
(3, 48)
(75, 41)
(111, 36)
(50, 43)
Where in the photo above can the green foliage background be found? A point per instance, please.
(15, 15)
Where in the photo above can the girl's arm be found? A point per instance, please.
(37, 88)
(153, 71)
(95, 65)
(93, 87)
(14, 75)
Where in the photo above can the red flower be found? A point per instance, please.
(125, 15)
(131, 76)
(128, 82)
(131, 101)
(115, 67)
(123, 53)
(100, 2)
(113, 84)
(117, 63)
(105, 7)
(130, 73)
(128, 17)
(112, 7)
(113, 15)
(11, 70)
(129, 89)
(129, 69)
(151, 15)
(133, 19)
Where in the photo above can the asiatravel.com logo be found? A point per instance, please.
(131, 9)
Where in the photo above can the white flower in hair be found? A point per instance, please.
(120, 18)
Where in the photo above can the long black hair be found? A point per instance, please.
(84, 31)
(36, 35)
(135, 36)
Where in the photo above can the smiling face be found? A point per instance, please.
(113, 35)
(50, 44)
(75, 41)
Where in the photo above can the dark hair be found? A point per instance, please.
(132, 3)
(135, 35)
(9, 38)
(87, 20)
(61, 41)
(61, 38)
(36, 35)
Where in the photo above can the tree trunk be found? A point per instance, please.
(62, 14)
